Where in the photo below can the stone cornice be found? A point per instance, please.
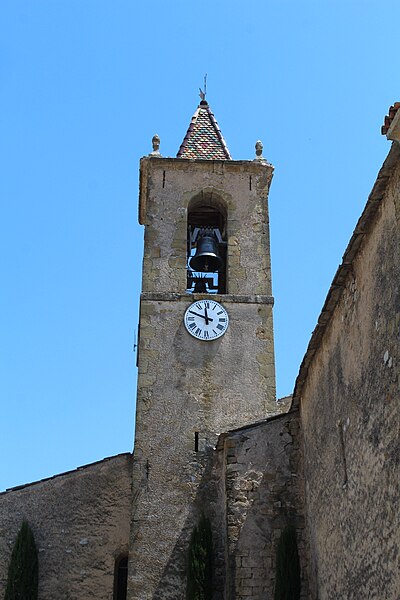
(223, 298)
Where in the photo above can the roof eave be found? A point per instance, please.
(337, 286)
(393, 132)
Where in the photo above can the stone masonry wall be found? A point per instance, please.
(264, 493)
(81, 523)
(169, 186)
(190, 391)
(188, 387)
(350, 415)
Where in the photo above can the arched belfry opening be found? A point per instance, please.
(206, 245)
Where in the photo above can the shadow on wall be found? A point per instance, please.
(251, 490)
(210, 503)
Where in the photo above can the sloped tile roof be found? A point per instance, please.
(389, 118)
(204, 139)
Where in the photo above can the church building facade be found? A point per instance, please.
(212, 443)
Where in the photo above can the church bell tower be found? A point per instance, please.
(206, 351)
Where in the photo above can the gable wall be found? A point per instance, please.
(263, 494)
(350, 421)
(81, 524)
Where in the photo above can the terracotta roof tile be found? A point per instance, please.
(203, 138)
(389, 118)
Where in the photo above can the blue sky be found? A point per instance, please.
(84, 85)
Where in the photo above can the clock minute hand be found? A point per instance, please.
(206, 315)
(199, 315)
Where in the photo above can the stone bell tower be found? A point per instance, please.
(206, 371)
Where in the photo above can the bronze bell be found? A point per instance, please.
(206, 259)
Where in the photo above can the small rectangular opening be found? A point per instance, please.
(343, 453)
(136, 346)
(196, 441)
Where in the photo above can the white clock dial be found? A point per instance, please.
(206, 320)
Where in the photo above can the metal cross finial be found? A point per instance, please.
(204, 92)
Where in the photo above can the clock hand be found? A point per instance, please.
(199, 315)
(206, 316)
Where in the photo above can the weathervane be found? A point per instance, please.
(203, 92)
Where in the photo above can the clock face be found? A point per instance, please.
(206, 320)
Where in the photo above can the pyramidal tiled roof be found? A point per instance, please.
(204, 139)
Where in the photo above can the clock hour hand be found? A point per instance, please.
(199, 315)
(206, 316)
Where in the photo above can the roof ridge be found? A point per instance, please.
(362, 229)
(204, 138)
(219, 132)
(22, 486)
